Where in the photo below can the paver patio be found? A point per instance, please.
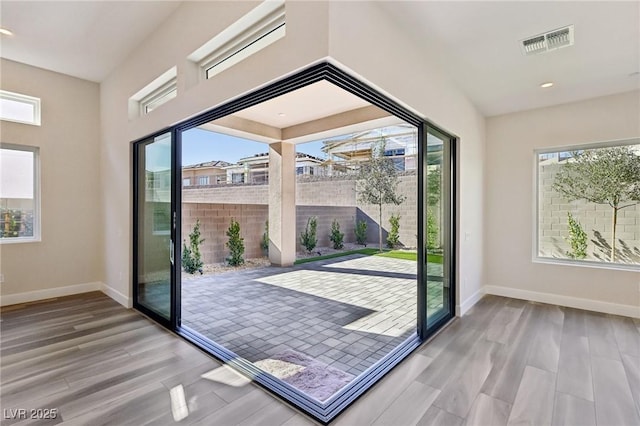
(347, 312)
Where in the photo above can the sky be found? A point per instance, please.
(199, 146)
(16, 174)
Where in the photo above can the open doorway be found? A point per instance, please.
(299, 240)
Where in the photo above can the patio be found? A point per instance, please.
(346, 312)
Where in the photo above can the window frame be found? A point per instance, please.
(37, 210)
(537, 198)
(25, 99)
(159, 96)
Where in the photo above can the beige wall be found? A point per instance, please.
(70, 253)
(372, 45)
(187, 29)
(511, 140)
(354, 34)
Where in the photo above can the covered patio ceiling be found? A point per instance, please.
(318, 111)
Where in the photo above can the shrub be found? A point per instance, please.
(432, 231)
(336, 237)
(235, 244)
(309, 237)
(264, 243)
(361, 232)
(191, 257)
(393, 237)
(577, 239)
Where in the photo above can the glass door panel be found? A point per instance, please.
(153, 226)
(437, 209)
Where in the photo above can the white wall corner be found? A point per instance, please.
(464, 307)
(122, 299)
(50, 293)
(568, 301)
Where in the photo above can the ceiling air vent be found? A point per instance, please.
(546, 42)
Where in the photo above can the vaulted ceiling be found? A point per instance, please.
(475, 43)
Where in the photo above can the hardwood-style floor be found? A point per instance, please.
(506, 362)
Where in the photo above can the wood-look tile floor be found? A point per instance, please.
(506, 362)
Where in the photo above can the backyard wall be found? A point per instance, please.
(596, 219)
(512, 139)
(321, 193)
(68, 259)
(215, 219)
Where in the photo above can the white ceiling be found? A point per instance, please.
(328, 99)
(476, 43)
(85, 39)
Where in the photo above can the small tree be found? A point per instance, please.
(235, 244)
(264, 243)
(361, 232)
(309, 237)
(432, 231)
(378, 183)
(191, 257)
(603, 176)
(577, 239)
(336, 237)
(393, 237)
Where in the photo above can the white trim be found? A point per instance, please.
(37, 204)
(162, 89)
(122, 299)
(25, 99)
(49, 293)
(464, 307)
(535, 241)
(254, 31)
(572, 302)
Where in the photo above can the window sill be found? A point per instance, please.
(19, 240)
(587, 264)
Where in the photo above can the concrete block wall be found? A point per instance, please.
(325, 197)
(596, 220)
(346, 217)
(215, 220)
(408, 210)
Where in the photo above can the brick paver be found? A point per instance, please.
(347, 312)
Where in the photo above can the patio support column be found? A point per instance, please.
(282, 203)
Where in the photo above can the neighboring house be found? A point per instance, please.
(400, 143)
(254, 170)
(208, 173)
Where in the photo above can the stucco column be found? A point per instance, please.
(282, 203)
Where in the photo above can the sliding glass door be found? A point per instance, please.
(438, 227)
(154, 228)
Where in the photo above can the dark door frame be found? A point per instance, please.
(328, 410)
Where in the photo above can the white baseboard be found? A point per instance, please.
(462, 308)
(49, 293)
(571, 302)
(122, 299)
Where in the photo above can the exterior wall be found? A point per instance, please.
(512, 139)
(215, 219)
(596, 220)
(70, 253)
(326, 192)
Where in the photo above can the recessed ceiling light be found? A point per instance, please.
(281, 114)
(547, 84)
(5, 32)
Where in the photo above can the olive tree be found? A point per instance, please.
(608, 176)
(378, 183)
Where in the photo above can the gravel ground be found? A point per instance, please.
(261, 262)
